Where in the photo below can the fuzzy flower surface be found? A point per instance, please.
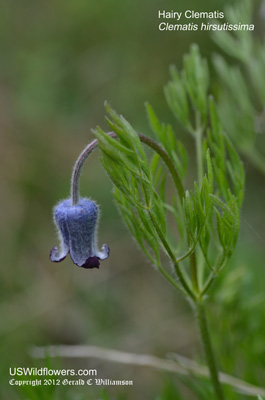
(77, 229)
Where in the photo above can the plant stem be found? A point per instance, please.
(198, 138)
(208, 350)
(77, 170)
(198, 134)
(144, 139)
(167, 160)
(200, 309)
(193, 272)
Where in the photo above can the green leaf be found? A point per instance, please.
(154, 164)
(136, 227)
(104, 137)
(197, 80)
(154, 121)
(159, 213)
(177, 99)
(209, 170)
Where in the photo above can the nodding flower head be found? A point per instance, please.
(77, 226)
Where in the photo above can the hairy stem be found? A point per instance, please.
(144, 139)
(208, 350)
(198, 139)
(200, 309)
(75, 181)
(167, 160)
(199, 156)
(193, 272)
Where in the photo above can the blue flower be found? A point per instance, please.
(77, 226)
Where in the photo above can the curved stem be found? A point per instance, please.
(208, 350)
(167, 160)
(144, 139)
(75, 180)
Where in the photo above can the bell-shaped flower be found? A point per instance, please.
(77, 229)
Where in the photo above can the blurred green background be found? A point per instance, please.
(60, 60)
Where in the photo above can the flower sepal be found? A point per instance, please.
(77, 229)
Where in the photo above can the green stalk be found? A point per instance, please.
(198, 139)
(176, 178)
(200, 308)
(193, 272)
(198, 134)
(167, 160)
(208, 350)
(144, 139)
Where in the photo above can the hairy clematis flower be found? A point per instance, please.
(77, 226)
